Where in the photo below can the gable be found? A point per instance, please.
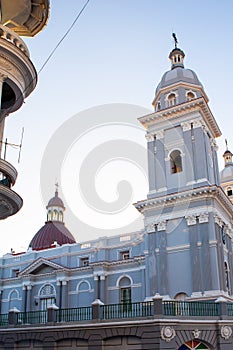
(41, 266)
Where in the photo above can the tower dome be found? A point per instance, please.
(178, 85)
(226, 175)
(54, 232)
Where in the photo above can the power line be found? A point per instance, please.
(64, 36)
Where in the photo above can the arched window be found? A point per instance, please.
(55, 215)
(190, 95)
(49, 215)
(229, 191)
(47, 296)
(172, 100)
(125, 293)
(181, 296)
(175, 162)
(60, 215)
(13, 296)
(193, 345)
(158, 106)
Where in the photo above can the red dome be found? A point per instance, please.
(48, 234)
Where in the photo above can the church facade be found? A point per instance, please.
(168, 286)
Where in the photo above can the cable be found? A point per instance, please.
(64, 36)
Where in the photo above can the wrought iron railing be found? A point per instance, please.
(4, 320)
(121, 311)
(140, 309)
(190, 308)
(32, 317)
(230, 309)
(72, 315)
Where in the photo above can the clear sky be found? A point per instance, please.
(116, 53)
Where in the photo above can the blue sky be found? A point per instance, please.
(116, 53)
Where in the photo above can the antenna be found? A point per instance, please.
(20, 145)
(6, 143)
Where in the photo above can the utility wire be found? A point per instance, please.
(64, 36)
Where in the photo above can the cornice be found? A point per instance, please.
(171, 113)
(186, 196)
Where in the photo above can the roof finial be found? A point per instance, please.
(226, 144)
(56, 191)
(175, 40)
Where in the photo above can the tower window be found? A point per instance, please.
(229, 191)
(175, 162)
(190, 96)
(158, 106)
(172, 100)
(125, 255)
(84, 262)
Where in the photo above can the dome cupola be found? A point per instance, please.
(53, 233)
(55, 208)
(226, 175)
(177, 85)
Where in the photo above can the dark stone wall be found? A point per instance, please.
(146, 334)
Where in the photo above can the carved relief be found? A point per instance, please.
(168, 333)
(196, 333)
(203, 217)
(226, 332)
(186, 126)
(191, 220)
(161, 226)
(150, 228)
(218, 220)
(150, 137)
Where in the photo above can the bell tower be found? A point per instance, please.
(187, 215)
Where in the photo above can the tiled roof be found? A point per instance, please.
(48, 234)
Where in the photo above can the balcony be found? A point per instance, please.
(10, 201)
(119, 312)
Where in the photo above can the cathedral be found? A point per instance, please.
(167, 286)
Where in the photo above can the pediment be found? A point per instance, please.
(41, 266)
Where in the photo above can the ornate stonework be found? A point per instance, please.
(226, 332)
(161, 226)
(168, 333)
(150, 228)
(203, 217)
(191, 220)
(196, 333)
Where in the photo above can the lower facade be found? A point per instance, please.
(147, 334)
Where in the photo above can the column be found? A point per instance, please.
(194, 254)
(96, 287)
(29, 289)
(206, 267)
(200, 156)
(189, 156)
(160, 162)
(163, 276)
(220, 253)
(24, 306)
(64, 294)
(151, 266)
(102, 288)
(151, 162)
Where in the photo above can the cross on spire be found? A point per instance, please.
(175, 40)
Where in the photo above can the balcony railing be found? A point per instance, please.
(32, 317)
(74, 315)
(98, 312)
(190, 308)
(112, 311)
